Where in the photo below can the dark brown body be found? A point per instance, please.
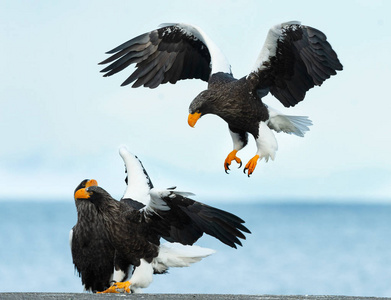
(127, 233)
(240, 115)
(90, 244)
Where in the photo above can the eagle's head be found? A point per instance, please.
(94, 194)
(86, 183)
(201, 105)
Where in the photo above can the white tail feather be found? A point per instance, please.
(297, 125)
(178, 255)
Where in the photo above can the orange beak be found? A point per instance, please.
(82, 194)
(91, 182)
(193, 118)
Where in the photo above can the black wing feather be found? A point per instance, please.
(167, 54)
(304, 58)
(187, 220)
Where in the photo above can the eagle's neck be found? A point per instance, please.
(86, 211)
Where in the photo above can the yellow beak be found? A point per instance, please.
(82, 194)
(91, 182)
(193, 118)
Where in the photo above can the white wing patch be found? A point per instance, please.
(269, 47)
(218, 59)
(138, 187)
(157, 200)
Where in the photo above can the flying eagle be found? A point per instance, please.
(113, 237)
(294, 58)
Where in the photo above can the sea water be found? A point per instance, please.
(315, 249)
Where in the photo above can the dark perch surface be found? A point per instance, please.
(86, 296)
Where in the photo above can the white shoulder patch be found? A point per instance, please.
(218, 59)
(157, 199)
(157, 202)
(269, 47)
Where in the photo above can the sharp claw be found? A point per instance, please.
(227, 168)
(111, 290)
(117, 288)
(248, 172)
(251, 165)
(231, 156)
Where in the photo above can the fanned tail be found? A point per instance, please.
(300, 124)
(297, 125)
(178, 255)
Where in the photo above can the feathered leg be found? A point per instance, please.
(239, 139)
(267, 147)
(120, 274)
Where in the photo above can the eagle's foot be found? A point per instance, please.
(231, 156)
(250, 167)
(118, 287)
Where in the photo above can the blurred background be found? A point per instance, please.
(319, 213)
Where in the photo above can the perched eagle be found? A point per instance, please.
(293, 59)
(113, 239)
(91, 249)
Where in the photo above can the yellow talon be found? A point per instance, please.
(110, 290)
(231, 156)
(250, 167)
(118, 287)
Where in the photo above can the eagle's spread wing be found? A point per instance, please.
(293, 59)
(168, 54)
(172, 215)
(178, 218)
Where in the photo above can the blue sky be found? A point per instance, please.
(61, 121)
